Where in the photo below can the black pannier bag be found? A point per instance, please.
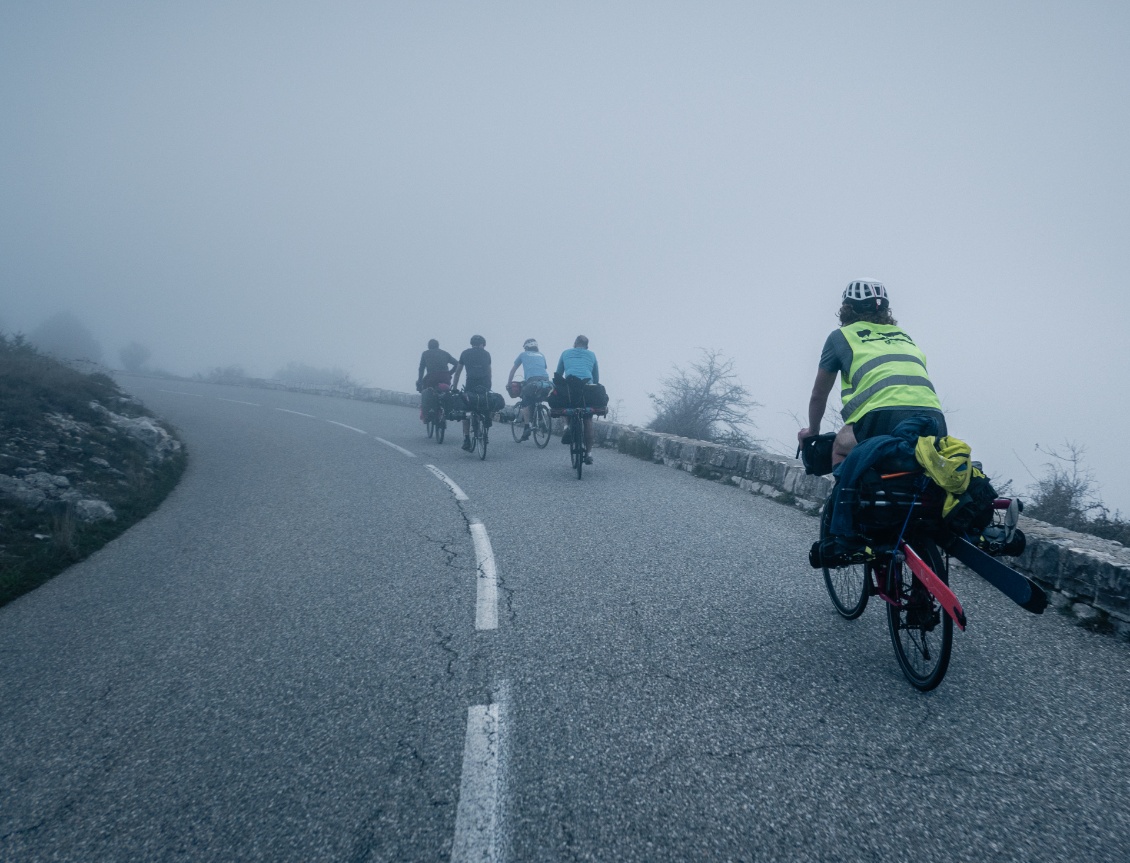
(558, 398)
(454, 407)
(496, 401)
(595, 396)
(974, 508)
(816, 454)
(885, 497)
(476, 401)
(576, 393)
(429, 399)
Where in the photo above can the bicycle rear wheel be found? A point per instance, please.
(921, 631)
(516, 428)
(430, 427)
(476, 430)
(484, 437)
(577, 445)
(543, 427)
(847, 585)
(441, 429)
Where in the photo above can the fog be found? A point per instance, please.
(334, 184)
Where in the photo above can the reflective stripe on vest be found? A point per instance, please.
(887, 371)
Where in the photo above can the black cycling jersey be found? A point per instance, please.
(476, 361)
(435, 361)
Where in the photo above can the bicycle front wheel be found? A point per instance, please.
(847, 585)
(921, 631)
(543, 427)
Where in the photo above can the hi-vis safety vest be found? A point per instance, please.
(887, 371)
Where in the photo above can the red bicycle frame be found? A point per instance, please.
(937, 588)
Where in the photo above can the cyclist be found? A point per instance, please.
(476, 361)
(435, 367)
(536, 382)
(578, 366)
(883, 372)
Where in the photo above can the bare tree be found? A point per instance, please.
(705, 402)
(1067, 494)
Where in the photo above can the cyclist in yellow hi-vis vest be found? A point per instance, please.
(882, 371)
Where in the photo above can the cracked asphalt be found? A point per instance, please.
(277, 665)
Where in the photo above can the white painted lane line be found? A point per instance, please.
(478, 819)
(297, 413)
(344, 426)
(182, 393)
(397, 448)
(486, 600)
(238, 402)
(459, 493)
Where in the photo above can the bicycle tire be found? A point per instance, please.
(441, 430)
(921, 631)
(577, 445)
(847, 586)
(430, 427)
(543, 426)
(516, 428)
(483, 441)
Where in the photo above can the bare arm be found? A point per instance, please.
(818, 402)
(510, 379)
(455, 379)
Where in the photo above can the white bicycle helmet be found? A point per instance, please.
(865, 289)
(530, 345)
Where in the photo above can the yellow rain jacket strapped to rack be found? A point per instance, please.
(947, 462)
(887, 371)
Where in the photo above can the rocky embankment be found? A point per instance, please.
(69, 466)
(71, 480)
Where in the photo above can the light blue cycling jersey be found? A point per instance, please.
(533, 365)
(579, 363)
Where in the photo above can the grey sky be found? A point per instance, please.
(337, 183)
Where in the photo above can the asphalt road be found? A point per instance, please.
(294, 659)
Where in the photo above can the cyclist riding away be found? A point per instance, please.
(435, 367)
(476, 361)
(883, 372)
(578, 366)
(536, 383)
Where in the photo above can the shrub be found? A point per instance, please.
(134, 356)
(64, 336)
(224, 375)
(1067, 496)
(300, 373)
